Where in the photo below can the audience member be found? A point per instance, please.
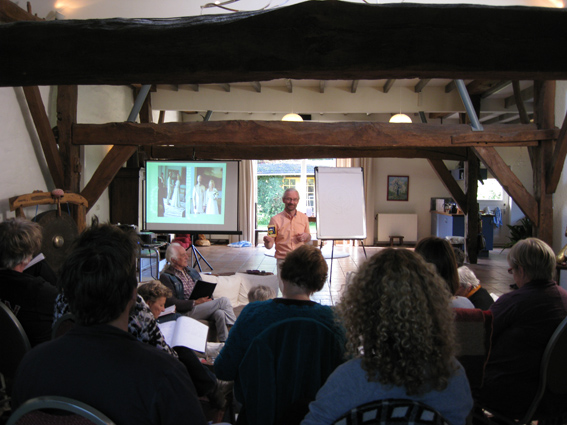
(400, 332)
(181, 280)
(470, 288)
(459, 256)
(154, 294)
(304, 271)
(523, 323)
(30, 297)
(260, 293)
(98, 361)
(439, 252)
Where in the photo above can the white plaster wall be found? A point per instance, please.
(99, 105)
(560, 197)
(22, 163)
(423, 185)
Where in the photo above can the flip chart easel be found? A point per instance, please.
(340, 206)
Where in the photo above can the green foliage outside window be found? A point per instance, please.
(270, 191)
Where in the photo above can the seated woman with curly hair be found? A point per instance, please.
(399, 326)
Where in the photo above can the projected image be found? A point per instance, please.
(207, 191)
(191, 196)
(171, 191)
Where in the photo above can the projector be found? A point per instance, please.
(147, 237)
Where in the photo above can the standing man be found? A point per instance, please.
(98, 362)
(291, 229)
(198, 197)
(181, 280)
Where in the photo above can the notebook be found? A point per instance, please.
(202, 289)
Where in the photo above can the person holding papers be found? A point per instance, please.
(154, 294)
(181, 280)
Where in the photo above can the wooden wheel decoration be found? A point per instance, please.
(59, 229)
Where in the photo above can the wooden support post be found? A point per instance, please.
(67, 101)
(67, 98)
(473, 227)
(542, 158)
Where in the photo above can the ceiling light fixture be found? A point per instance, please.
(401, 119)
(292, 116)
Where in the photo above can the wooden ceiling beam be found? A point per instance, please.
(309, 152)
(315, 40)
(274, 133)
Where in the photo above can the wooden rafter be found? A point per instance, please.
(46, 137)
(450, 183)
(106, 171)
(511, 184)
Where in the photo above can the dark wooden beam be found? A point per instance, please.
(508, 180)
(542, 160)
(45, 134)
(421, 85)
(283, 152)
(320, 40)
(67, 101)
(354, 86)
(293, 134)
(472, 167)
(388, 85)
(481, 87)
(450, 183)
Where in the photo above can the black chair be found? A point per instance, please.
(15, 343)
(392, 412)
(552, 381)
(51, 410)
(283, 369)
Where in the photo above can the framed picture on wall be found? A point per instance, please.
(398, 188)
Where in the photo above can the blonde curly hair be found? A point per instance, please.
(398, 319)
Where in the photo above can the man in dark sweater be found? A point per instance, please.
(98, 362)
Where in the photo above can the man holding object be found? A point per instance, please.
(291, 228)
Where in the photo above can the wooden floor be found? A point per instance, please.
(492, 272)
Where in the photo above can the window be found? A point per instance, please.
(490, 191)
(311, 192)
(290, 182)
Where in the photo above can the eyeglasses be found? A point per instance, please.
(291, 199)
